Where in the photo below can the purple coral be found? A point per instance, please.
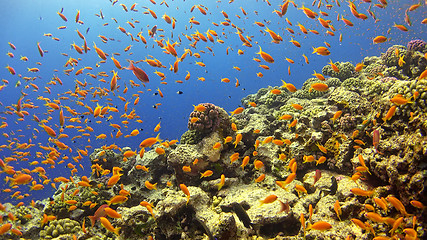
(347, 122)
(416, 45)
(209, 120)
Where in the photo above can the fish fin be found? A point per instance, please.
(92, 220)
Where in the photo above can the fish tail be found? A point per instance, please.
(116, 231)
(131, 67)
(92, 220)
(158, 138)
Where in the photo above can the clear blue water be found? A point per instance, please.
(23, 23)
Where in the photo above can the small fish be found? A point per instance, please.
(317, 176)
(138, 72)
(185, 190)
(379, 39)
(267, 57)
(320, 225)
(100, 212)
(237, 111)
(107, 225)
(222, 182)
(269, 199)
(150, 186)
(207, 173)
(241, 214)
(337, 209)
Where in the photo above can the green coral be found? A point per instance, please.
(353, 84)
(191, 137)
(372, 69)
(346, 70)
(390, 58)
(394, 71)
(274, 100)
(376, 88)
(57, 228)
(21, 212)
(332, 146)
(407, 89)
(333, 82)
(304, 92)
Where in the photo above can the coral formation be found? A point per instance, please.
(61, 227)
(416, 45)
(211, 119)
(346, 70)
(390, 58)
(338, 153)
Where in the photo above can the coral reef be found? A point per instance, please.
(333, 158)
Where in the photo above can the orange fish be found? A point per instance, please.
(107, 225)
(269, 199)
(267, 57)
(237, 111)
(150, 186)
(185, 190)
(320, 225)
(321, 51)
(321, 87)
(138, 72)
(379, 39)
(207, 173)
(150, 141)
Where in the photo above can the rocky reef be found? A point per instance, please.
(345, 162)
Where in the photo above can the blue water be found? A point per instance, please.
(23, 23)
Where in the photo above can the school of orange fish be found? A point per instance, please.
(62, 124)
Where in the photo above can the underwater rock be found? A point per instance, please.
(264, 217)
(189, 217)
(185, 154)
(191, 137)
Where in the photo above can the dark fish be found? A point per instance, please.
(179, 92)
(284, 207)
(241, 213)
(87, 30)
(207, 231)
(62, 10)
(153, 30)
(334, 186)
